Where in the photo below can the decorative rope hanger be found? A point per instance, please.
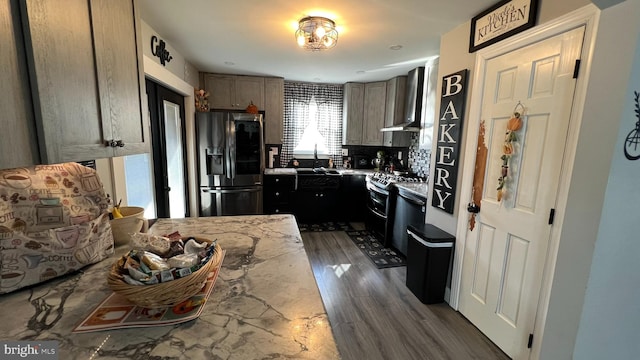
(508, 150)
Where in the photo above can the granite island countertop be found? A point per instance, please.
(265, 302)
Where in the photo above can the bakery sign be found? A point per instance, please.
(454, 87)
(500, 21)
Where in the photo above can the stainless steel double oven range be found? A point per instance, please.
(390, 209)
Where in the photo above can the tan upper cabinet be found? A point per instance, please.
(234, 92)
(394, 112)
(363, 113)
(375, 98)
(17, 144)
(86, 83)
(352, 113)
(273, 110)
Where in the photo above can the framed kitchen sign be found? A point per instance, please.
(504, 19)
(451, 115)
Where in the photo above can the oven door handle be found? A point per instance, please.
(377, 213)
(382, 203)
(376, 189)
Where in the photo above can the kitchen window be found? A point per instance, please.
(312, 116)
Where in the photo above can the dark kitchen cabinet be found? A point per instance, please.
(278, 193)
(317, 205)
(317, 198)
(353, 198)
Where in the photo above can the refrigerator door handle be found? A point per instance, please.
(232, 147)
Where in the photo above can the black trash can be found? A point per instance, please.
(429, 251)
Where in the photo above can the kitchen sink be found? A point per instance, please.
(317, 171)
(317, 179)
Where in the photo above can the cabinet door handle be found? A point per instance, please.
(277, 180)
(119, 143)
(277, 193)
(110, 143)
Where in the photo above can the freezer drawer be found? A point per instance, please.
(231, 201)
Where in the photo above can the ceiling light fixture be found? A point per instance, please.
(316, 33)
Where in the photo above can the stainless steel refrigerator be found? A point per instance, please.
(230, 162)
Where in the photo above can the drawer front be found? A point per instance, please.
(284, 208)
(280, 181)
(277, 196)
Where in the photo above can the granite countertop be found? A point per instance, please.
(265, 303)
(292, 171)
(419, 189)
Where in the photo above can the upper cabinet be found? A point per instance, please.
(368, 107)
(274, 110)
(394, 112)
(352, 113)
(17, 144)
(87, 86)
(234, 92)
(375, 97)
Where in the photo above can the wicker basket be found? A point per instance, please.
(168, 293)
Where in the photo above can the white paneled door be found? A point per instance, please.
(505, 253)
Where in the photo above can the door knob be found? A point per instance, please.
(473, 208)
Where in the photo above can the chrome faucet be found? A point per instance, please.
(315, 156)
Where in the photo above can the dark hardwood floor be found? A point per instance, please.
(375, 316)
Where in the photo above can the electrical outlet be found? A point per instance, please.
(345, 152)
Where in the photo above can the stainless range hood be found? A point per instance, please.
(413, 103)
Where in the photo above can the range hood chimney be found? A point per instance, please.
(413, 102)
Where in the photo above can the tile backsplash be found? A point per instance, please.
(419, 159)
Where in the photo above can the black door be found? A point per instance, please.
(166, 110)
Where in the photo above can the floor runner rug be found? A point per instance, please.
(372, 247)
(116, 312)
(325, 226)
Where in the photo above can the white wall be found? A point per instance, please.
(454, 56)
(178, 65)
(605, 98)
(611, 305)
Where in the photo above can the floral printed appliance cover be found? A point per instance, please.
(53, 220)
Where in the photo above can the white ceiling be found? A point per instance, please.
(256, 37)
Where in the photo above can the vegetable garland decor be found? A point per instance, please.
(508, 150)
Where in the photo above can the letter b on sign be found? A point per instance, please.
(452, 85)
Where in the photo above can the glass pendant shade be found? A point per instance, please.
(316, 33)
